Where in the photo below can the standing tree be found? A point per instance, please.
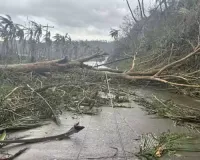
(48, 42)
(114, 33)
(8, 33)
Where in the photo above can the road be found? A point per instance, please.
(113, 134)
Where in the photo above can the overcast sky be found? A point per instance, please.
(82, 19)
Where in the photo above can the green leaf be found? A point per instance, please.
(3, 135)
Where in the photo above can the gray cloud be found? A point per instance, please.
(83, 19)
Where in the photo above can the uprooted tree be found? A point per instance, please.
(160, 75)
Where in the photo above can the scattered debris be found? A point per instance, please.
(154, 147)
(28, 100)
(121, 99)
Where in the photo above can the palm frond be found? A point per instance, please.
(8, 16)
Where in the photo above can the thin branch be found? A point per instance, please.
(171, 53)
(152, 78)
(191, 44)
(54, 114)
(15, 155)
(197, 50)
(143, 9)
(133, 64)
(16, 88)
(195, 72)
(160, 101)
(174, 76)
(131, 11)
(141, 13)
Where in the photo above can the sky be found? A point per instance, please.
(81, 19)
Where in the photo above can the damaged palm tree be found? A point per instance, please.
(49, 66)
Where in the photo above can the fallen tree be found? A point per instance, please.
(159, 75)
(49, 66)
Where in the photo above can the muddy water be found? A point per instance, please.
(160, 93)
(166, 95)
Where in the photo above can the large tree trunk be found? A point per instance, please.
(63, 65)
(48, 66)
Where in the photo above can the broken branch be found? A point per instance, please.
(75, 129)
(197, 50)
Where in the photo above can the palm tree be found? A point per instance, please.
(48, 42)
(18, 39)
(7, 22)
(33, 36)
(62, 43)
(114, 33)
(11, 33)
(57, 37)
(75, 50)
(20, 32)
(8, 32)
(37, 31)
(4, 35)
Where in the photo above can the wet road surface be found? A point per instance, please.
(113, 134)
